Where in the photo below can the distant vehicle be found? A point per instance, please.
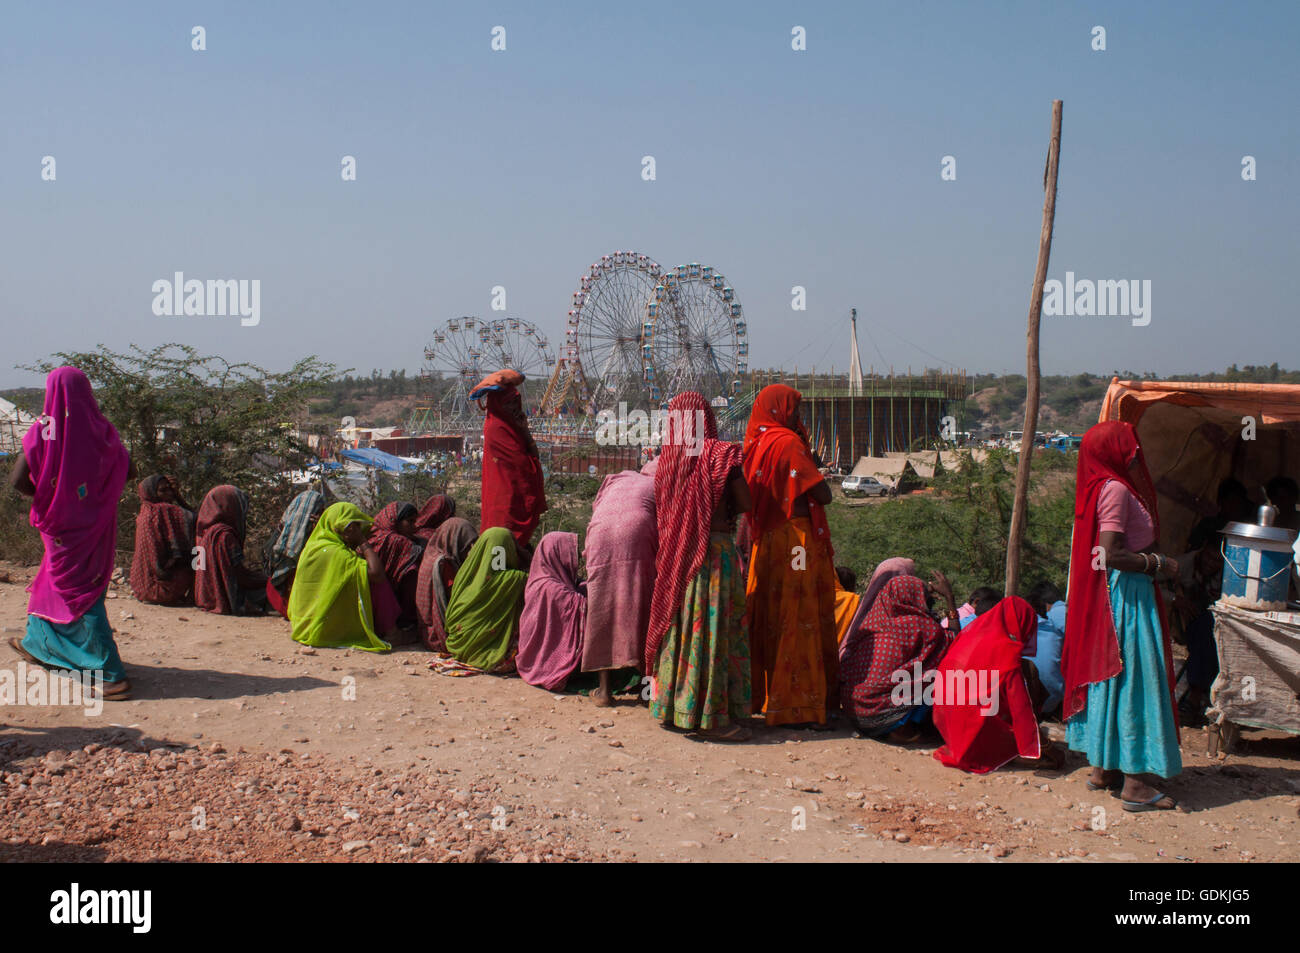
(1064, 442)
(864, 486)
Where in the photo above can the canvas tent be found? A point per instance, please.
(1196, 434)
(14, 423)
(891, 471)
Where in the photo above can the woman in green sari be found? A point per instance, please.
(330, 603)
(482, 618)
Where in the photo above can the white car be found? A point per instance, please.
(864, 485)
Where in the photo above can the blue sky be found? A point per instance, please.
(817, 168)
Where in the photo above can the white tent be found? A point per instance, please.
(14, 423)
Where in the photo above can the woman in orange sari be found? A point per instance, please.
(791, 590)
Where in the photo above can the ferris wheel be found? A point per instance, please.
(465, 350)
(606, 326)
(695, 336)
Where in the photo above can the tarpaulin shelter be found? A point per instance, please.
(14, 423)
(1196, 434)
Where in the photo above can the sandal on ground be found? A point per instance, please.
(735, 732)
(117, 694)
(1151, 804)
(16, 644)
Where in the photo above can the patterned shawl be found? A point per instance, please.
(164, 536)
(399, 554)
(295, 527)
(689, 482)
(897, 632)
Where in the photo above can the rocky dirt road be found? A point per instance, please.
(240, 745)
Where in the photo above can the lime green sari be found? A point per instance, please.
(482, 618)
(329, 604)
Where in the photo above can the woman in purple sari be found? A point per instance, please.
(74, 467)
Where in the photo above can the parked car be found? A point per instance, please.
(863, 486)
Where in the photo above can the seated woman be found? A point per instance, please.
(620, 546)
(299, 520)
(897, 633)
(981, 734)
(222, 583)
(442, 559)
(884, 571)
(482, 618)
(555, 610)
(393, 538)
(164, 537)
(330, 604)
(436, 511)
(847, 599)
(74, 467)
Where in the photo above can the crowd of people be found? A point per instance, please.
(710, 589)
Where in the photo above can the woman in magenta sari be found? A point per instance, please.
(74, 467)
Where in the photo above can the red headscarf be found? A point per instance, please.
(513, 495)
(779, 466)
(220, 534)
(994, 643)
(398, 553)
(1090, 651)
(435, 511)
(689, 483)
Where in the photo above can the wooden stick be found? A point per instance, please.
(1020, 509)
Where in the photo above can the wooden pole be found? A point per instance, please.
(1020, 509)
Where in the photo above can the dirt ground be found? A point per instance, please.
(232, 718)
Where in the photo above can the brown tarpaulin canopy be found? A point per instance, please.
(1193, 436)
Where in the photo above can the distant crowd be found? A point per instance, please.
(710, 590)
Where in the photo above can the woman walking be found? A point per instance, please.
(74, 467)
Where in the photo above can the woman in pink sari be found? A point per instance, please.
(621, 546)
(555, 609)
(74, 467)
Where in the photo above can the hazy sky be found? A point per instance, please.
(818, 168)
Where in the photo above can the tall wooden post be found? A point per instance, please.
(1020, 509)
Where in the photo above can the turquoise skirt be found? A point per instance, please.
(1128, 724)
(85, 645)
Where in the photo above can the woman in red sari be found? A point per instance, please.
(164, 535)
(982, 733)
(393, 538)
(513, 496)
(791, 590)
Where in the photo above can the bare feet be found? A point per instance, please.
(602, 699)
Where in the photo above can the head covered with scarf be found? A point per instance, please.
(447, 549)
(164, 537)
(78, 467)
(1090, 650)
(399, 553)
(690, 479)
(219, 533)
(435, 511)
(887, 570)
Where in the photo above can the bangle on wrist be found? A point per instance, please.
(1146, 562)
